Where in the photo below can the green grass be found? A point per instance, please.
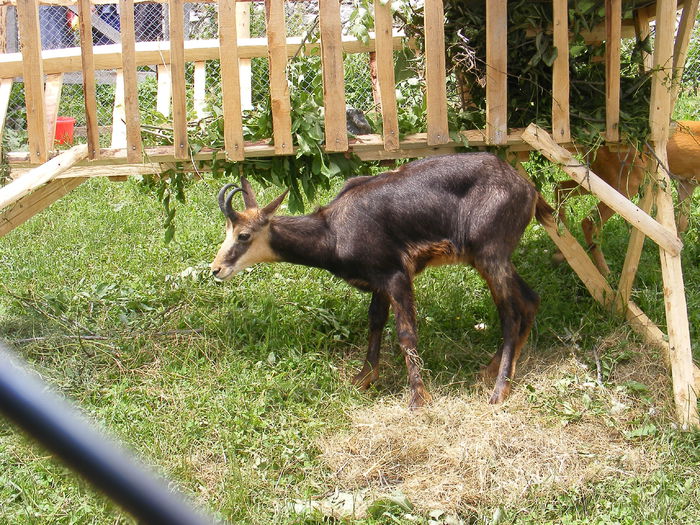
(225, 388)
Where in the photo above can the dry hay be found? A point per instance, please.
(560, 429)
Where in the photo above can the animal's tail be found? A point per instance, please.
(544, 213)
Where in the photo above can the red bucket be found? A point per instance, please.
(64, 130)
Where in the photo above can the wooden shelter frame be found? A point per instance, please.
(43, 176)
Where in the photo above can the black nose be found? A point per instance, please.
(216, 271)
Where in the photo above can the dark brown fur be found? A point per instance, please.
(380, 232)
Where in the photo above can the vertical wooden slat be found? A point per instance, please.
(561, 129)
(435, 73)
(118, 113)
(165, 89)
(134, 147)
(89, 83)
(230, 80)
(333, 77)
(642, 31)
(496, 69)
(200, 89)
(33, 74)
(177, 72)
(634, 250)
(385, 74)
(279, 88)
(5, 91)
(680, 49)
(244, 66)
(613, 29)
(52, 98)
(671, 270)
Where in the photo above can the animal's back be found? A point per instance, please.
(465, 198)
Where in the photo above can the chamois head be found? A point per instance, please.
(247, 232)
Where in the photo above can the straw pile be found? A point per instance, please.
(560, 429)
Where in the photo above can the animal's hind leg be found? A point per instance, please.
(378, 314)
(516, 304)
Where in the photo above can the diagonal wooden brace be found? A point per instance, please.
(661, 235)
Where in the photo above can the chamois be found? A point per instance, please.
(381, 231)
(625, 171)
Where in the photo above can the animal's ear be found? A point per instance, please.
(272, 207)
(248, 194)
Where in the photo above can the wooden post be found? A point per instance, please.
(385, 74)
(680, 49)
(165, 89)
(634, 250)
(279, 87)
(613, 30)
(663, 236)
(496, 70)
(333, 77)
(40, 175)
(33, 73)
(561, 129)
(134, 147)
(5, 91)
(177, 75)
(89, 84)
(642, 31)
(230, 80)
(200, 89)
(52, 98)
(435, 73)
(118, 113)
(671, 269)
(244, 66)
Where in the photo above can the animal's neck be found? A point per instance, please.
(303, 240)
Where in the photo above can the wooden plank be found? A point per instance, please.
(436, 73)
(333, 77)
(52, 98)
(245, 72)
(119, 113)
(641, 32)
(496, 70)
(671, 270)
(91, 171)
(613, 23)
(385, 74)
(634, 250)
(134, 146)
(177, 75)
(561, 127)
(33, 74)
(661, 235)
(200, 89)
(230, 80)
(18, 188)
(279, 87)
(680, 48)
(165, 89)
(89, 83)
(5, 91)
(25, 208)
(158, 52)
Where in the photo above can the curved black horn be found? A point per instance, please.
(225, 200)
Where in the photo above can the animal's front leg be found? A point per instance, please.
(401, 296)
(378, 314)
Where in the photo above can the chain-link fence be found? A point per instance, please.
(59, 28)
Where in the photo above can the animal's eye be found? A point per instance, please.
(243, 237)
